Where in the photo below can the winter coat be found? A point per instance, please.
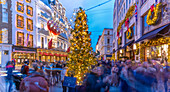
(92, 85)
(34, 83)
(9, 71)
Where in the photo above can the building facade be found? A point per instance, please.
(104, 44)
(5, 32)
(135, 36)
(23, 30)
(56, 12)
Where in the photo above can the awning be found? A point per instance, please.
(45, 54)
(56, 55)
(129, 43)
(50, 54)
(151, 34)
(108, 55)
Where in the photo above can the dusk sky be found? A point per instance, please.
(98, 18)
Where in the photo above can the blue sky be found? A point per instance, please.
(98, 18)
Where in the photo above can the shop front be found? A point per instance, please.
(157, 49)
(47, 55)
(21, 54)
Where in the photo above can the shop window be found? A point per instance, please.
(20, 21)
(29, 10)
(29, 40)
(6, 52)
(29, 25)
(20, 7)
(28, 1)
(20, 39)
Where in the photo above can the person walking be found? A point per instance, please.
(25, 69)
(9, 69)
(63, 73)
(36, 82)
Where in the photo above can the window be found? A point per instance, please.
(108, 41)
(20, 7)
(42, 42)
(4, 35)
(29, 10)
(20, 39)
(58, 44)
(20, 21)
(62, 45)
(126, 4)
(42, 25)
(28, 1)
(6, 52)
(108, 32)
(108, 49)
(5, 13)
(124, 8)
(145, 25)
(29, 40)
(29, 24)
(129, 2)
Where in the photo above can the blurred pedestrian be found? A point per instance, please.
(9, 69)
(63, 73)
(25, 69)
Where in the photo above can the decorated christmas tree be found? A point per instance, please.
(81, 55)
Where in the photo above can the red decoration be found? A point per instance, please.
(127, 24)
(50, 44)
(152, 8)
(52, 27)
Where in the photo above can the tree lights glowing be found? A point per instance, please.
(80, 56)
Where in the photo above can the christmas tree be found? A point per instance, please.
(81, 55)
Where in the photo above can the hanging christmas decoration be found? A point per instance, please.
(153, 13)
(53, 28)
(129, 34)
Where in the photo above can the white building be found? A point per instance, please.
(104, 45)
(44, 12)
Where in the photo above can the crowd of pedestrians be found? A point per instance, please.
(127, 76)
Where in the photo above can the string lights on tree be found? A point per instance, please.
(80, 57)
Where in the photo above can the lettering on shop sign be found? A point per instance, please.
(3, 2)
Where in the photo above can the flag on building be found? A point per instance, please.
(28, 38)
(50, 44)
(136, 11)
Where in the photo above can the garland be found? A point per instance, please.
(156, 11)
(128, 14)
(156, 42)
(137, 50)
(129, 33)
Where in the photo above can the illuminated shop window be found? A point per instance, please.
(29, 25)
(28, 1)
(29, 10)
(20, 21)
(20, 39)
(30, 40)
(20, 7)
